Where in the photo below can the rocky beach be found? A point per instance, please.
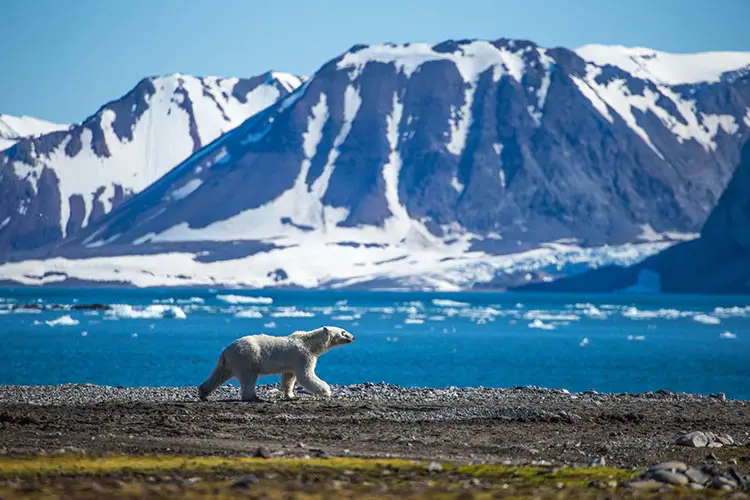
(447, 440)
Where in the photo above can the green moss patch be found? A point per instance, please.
(153, 476)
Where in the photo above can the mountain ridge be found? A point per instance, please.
(460, 153)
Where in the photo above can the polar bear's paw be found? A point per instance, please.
(202, 394)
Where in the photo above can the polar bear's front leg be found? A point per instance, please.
(312, 383)
(287, 384)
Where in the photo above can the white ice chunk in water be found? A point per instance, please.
(706, 319)
(62, 321)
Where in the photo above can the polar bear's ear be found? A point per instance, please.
(326, 330)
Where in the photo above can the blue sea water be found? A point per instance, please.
(610, 343)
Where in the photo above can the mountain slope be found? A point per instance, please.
(717, 262)
(466, 163)
(15, 128)
(55, 184)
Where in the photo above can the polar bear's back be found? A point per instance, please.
(263, 353)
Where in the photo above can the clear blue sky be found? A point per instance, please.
(64, 59)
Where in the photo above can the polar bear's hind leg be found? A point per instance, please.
(287, 384)
(248, 378)
(219, 375)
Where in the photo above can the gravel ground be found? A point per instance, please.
(518, 425)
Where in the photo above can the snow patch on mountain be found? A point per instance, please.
(392, 169)
(547, 63)
(186, 189)
(289, 81)
(649, 234)
(15, 128)
(665, 67)
(471, 59)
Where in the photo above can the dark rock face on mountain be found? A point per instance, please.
(506, 141)
(717, 262)
(53, 185)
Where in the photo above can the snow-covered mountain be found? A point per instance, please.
(55, 184)
(461, 164)
(15, 128)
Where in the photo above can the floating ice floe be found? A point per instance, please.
(449, 303)
(270, 324)
(732, 311)
(590, 311)
(728, 335)
(243, 299)
(635, 313)
(153, 311)
(638, 338)
(62, 321)
(248, 314)
(584, 342)
(538, 323)
(546, 316)
(413, 321)
(346, 317)
(191, 300)
(706, 319)
(292, 312)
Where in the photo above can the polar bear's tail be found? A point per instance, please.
(219, 375)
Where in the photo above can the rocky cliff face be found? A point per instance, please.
(54, 184)
(717, 262)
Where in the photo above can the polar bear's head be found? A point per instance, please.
(324, 338)
(337, 336)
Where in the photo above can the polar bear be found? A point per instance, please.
(294, 356)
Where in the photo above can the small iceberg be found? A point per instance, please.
(538, 323)
(292, 312)
(248, 314)
(706, 319)
(63, 321)
(449, 303)
(243, 299)
(728, 335)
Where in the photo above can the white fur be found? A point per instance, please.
(294, 356)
